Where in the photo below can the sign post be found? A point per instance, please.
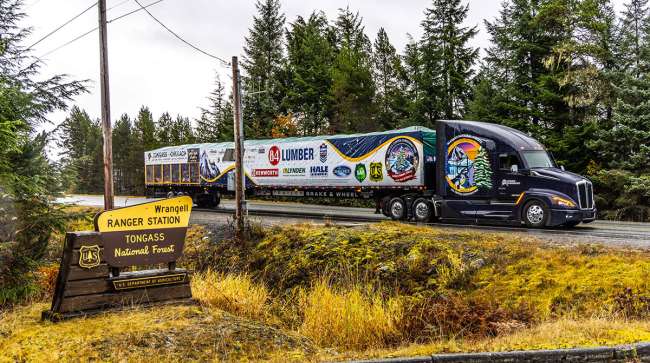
(90, 280)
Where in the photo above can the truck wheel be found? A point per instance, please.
(422, 210)
(217, 201)
(397, 209)
(170, 195)
(535, 214)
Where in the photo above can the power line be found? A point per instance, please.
(118, 5)
(62, 25)
(95, 28)
(181, 39)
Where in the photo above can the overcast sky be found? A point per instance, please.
(148, 66)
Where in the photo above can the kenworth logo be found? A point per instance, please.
(319, 170)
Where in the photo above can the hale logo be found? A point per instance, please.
(360, 172)
(89, 256)
(319, 171)
(274, 155)
(376, 172)
(323, 153)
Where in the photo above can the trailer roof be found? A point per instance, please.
(297, 139)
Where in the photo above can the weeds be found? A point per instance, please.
(236, 294)
(349, 319)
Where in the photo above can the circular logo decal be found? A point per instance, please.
(274, 155)
(402, 160)
(468, 166)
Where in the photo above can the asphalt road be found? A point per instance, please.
(608, 232)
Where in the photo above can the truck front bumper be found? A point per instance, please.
(562, 216)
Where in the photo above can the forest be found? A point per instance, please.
(573, 74)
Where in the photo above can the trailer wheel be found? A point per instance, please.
(422, 210)
(535, 214)
(170, 194)
(397, 209)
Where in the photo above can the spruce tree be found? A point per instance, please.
(390, 98)
(308, 85)
(27, 215)
(81, 141)
(216, 122)
(353, 87)
(633, 51)
(263, 57)
(144, 135)
(122, 144)
(447, 60)
(164, 130)
(181, 131)
(410, 81)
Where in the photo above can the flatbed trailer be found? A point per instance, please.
(462, 171)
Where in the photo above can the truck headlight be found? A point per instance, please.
(563, 202)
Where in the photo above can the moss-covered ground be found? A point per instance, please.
(313, 292)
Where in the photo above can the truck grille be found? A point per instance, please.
(585, 195)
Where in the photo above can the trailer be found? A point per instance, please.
(462, 171)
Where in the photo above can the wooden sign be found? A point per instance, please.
(145, 234)
(90, 279)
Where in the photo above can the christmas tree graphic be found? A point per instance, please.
(482, 170)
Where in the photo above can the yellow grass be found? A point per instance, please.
(236, 294)
(348, 319)
(564, 333)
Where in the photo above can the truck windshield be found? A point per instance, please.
(538, 159)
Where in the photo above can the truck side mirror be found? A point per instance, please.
(514, 168)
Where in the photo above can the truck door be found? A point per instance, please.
(508, 185)
(511, 182)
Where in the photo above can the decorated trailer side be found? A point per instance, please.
(464, 171)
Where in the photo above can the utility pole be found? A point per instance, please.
(240, 197)
(106, 108)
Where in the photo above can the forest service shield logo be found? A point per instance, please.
(89, 256)
(376, 172)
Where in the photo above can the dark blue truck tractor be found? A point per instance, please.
(493, 174)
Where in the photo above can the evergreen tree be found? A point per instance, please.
(353, 87)
(262, 64)
(82, 150)
(144, 136)
(181, 131)
(308, 73)
(483, 170)
(122, 144)
(447, 60)
(216, 122)
(386, 71)
(27, 216)
(410, 79)
(633, 51)
(627, 145)
(164, 130)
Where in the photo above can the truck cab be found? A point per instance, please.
(493, 174)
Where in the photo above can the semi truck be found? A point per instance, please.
(463, 171)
